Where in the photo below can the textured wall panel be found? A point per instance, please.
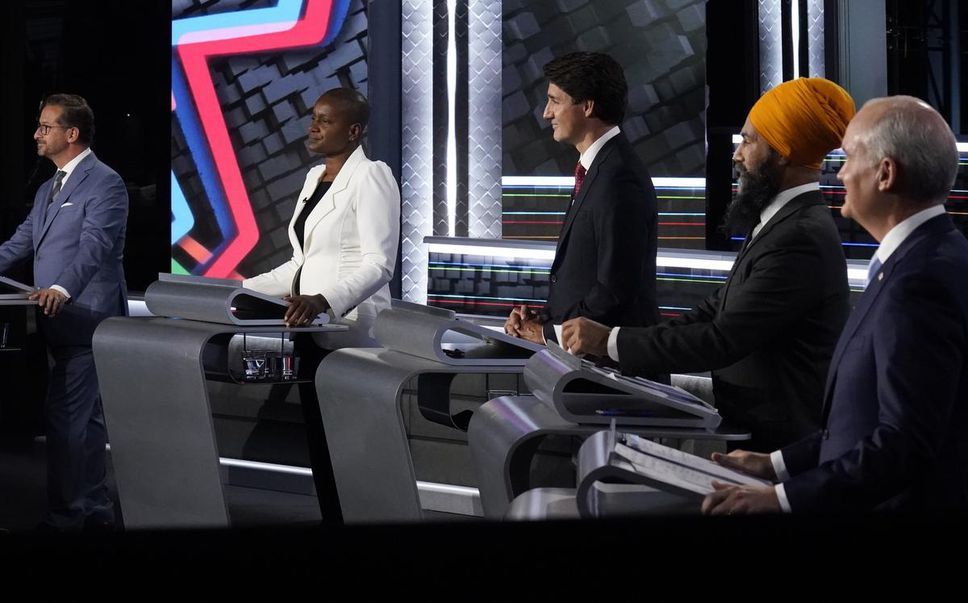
(771, 45)
(816, 35)
(661, 45)
(417, 167)
(484, 127)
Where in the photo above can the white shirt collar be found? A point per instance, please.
(69, 168)
(588, 156)
(894, 238)
(782, 198)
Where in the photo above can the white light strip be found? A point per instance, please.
(857, 274)
(738, 138)
(270, 467)
(795, 26)
(447, 489)
(696, 263)
(493, 252)
(451, 117)
(569, 181)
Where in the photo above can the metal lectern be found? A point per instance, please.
(152, 374)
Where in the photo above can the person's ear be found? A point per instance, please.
(886, 174)
(355, 131)
(588, 108)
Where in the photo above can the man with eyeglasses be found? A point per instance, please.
(75, 236)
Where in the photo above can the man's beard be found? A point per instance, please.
(758, 190)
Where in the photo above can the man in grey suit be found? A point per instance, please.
(75, 235)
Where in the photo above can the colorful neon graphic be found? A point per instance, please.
(291, 24)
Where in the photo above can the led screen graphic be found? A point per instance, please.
(244, 78)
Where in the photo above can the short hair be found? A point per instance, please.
(76, 113)
(354, 103)
(914, 135)
(592, 76)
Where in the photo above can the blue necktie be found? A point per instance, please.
(873, 268)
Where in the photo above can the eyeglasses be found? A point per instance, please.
(45, 128)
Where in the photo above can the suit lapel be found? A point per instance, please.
(934, 226)
(793, 206)
(587, 184)
(328, 203)
(76, 178)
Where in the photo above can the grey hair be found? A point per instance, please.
(914, 135)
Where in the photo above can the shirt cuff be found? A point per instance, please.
(781, 496)
(557, 335)
(61, 289)
(613, 344)
(779, 467)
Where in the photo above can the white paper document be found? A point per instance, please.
(676, 468)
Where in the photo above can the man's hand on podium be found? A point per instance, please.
(582, 337)
(756, 464)
(525, 323)
(49, 300)
(740, 500)
(303, 309)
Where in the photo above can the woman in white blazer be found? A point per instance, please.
(345, 228)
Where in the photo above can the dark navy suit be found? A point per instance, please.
(604, 267)
(896, 401)
(76, 242)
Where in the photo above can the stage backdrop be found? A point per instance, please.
(244, 78)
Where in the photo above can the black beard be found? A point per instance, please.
(757, 191)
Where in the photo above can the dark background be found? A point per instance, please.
(115, 54)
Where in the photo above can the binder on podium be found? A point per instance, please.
(584, 393)
(222, 301)
(615, 457)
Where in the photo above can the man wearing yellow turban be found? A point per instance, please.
(768, 334)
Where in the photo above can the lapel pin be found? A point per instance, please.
(880, 276)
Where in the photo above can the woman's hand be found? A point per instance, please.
(303, 309)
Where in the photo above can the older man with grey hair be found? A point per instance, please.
(896, 403)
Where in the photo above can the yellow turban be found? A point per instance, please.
(803, 119)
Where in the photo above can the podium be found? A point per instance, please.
(574, 397)
(360, 393)
(23, 362)
(153, 373)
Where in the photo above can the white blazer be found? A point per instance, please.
(350, 242)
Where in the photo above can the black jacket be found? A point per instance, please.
(604, 266)
(768, 334)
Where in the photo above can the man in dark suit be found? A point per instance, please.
(604, 265)
(767, 335)
(896, 402)
(75, 235)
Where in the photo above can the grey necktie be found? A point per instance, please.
(873, 268)
(58, 179)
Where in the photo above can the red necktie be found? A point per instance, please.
(579, 178)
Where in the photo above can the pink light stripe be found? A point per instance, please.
(309, 31)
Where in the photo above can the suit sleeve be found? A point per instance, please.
(919, 349)
(19, 247)
(105, 215)
(621, 234)
(783, 284)
(277, 282)
(378, 223)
